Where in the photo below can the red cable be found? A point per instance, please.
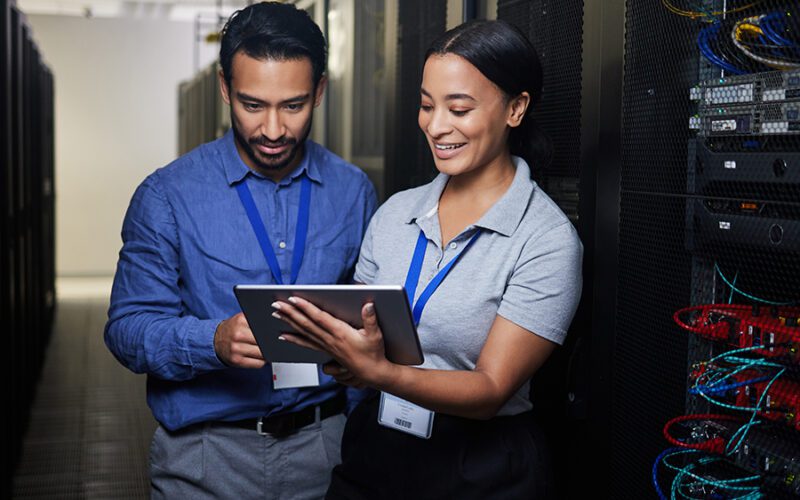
(715, 445)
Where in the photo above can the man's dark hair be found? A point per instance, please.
(272, 30)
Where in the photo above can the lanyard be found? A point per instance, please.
(414, 270)
(301, 230)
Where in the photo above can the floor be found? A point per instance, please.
(90, 427)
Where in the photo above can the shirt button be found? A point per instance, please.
(453, 245)
(282, 244)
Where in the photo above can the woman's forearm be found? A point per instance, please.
(469, 394)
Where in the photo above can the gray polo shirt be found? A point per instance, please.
(525, 266)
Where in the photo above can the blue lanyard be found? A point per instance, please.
(414, 270)
(300, 235)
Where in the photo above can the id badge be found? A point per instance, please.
(405, 416)
(293, 375)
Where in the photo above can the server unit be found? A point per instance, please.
(27, 233)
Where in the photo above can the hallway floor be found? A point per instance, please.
(90, 427)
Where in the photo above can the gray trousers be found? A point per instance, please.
(212, 461)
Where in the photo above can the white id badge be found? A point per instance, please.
(405, 416)
(291, 375)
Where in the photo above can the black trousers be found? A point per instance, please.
(503, 458)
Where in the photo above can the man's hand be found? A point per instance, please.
(235, 344)
(342, 375)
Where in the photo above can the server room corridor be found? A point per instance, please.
(672, 146)
(90, 427)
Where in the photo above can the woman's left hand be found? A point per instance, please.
(360, 351)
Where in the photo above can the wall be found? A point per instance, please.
(116, 106)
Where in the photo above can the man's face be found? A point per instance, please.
(272, 104)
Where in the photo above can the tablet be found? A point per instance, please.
(342, 301)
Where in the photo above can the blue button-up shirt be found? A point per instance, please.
(187, 241)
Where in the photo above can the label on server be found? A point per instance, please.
(723, 125)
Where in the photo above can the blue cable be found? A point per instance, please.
(705, 48)
(704, 45)
(661, 455)
(743, 364)
(765, 23)
(726, 387)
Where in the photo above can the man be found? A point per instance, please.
(223, 214)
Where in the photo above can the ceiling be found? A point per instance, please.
(175, 10)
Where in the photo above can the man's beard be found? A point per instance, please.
(268, 162)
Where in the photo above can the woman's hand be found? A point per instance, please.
(359, 351)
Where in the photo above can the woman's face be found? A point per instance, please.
(464, 116)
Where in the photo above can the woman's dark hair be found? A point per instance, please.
(272, 30)
(506, 57)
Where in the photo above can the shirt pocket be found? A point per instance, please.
(233, 268)
(329, 264)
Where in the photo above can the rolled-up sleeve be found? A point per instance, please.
(147, 331)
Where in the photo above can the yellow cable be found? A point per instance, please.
(747, 28)
(695, 14)
(685, 13)
(737, 9)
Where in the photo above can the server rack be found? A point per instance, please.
(16, 364)
(27, 256)
(559, 389)
(687, 196)
(707, 241)
(408, 161)
(202, 115)
(5, 180)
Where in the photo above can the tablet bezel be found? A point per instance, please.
(343, 301)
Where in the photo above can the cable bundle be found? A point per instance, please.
(698, 478)
(754, 381)
(769, 39)
(757, 42)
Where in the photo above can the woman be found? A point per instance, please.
(493, 270)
